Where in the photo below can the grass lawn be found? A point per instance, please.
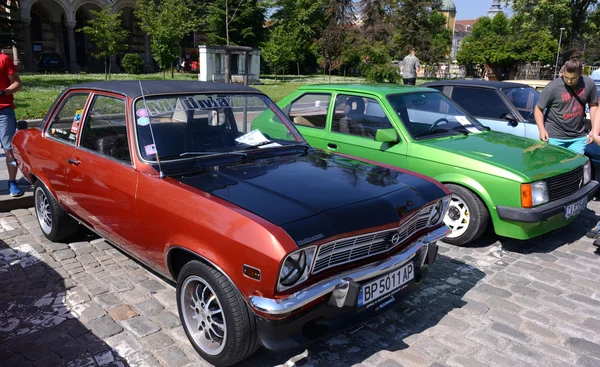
(39, 91)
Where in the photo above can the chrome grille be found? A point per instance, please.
(564, 185)
(350, 249)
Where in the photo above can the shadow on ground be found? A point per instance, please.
(37, 316)
(420, 311)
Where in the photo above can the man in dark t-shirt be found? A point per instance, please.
(564, 100)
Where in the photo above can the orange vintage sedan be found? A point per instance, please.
(270, 241)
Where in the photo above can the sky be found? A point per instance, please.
(472, 9)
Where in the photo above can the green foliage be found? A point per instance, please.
(279, 49)
(105, 30)
(133, 64)
(419, 24)
(9, 18)
(166, 22)
(237, 22)
(377, 66)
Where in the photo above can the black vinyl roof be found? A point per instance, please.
(475, 83)
(132, 89)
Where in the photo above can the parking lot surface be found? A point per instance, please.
(497, 302)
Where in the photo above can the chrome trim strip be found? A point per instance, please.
(305, 296)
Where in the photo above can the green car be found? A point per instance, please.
(524, 187)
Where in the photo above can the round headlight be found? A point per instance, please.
(437, 213)
(293, 268)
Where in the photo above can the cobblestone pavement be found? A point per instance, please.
(499, 303)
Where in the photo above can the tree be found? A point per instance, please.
(551, 15)
(487, 43)
(420, 24)
(9, 11)
(330, 46)
(106, 32)
(279, 49)
(166, 22)
(238, 22)
(376, 24)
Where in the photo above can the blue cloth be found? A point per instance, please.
(575, 144)
(8, 126)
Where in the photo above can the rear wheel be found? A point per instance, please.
(55, 223)
(214, 315)
(467, 216)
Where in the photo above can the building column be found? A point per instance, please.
(15, 52)
(148, 66)
(58, 38)
(29, 61)
(73, 65)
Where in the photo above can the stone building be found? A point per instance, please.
(50, 27)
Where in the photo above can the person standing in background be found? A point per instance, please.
(410, 67)
(10, 83)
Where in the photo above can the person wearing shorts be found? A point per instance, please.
(10, 83)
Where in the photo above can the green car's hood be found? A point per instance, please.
(504, 155)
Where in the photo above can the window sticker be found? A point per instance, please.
(255, 137)
(163, 106)
(142, 112)
(143, 121)
(72, 137)
(76, 121)
(150, 149)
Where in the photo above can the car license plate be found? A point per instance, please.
(386, 284)
(575, 208)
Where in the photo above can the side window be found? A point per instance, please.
(310, 110)
(67, 121)
(480, 102)
(359, 116)
(104, 130)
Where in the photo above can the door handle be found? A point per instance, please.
(73, 161)
(332, 146)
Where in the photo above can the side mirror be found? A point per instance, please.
(511, 118)
(22, 125)
(386, 136)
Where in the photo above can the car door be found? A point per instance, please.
(309, 113)
(59, 143)
(101, 179)
(488, 107)
(354, 121)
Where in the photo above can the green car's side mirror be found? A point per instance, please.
(386, 136)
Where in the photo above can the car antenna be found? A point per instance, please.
(160, 171)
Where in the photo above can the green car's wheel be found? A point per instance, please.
(467, 216)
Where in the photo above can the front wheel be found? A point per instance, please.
(467, 216)
(214, 316)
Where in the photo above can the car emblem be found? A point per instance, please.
(396, 239)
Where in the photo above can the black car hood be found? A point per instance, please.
(316, 195)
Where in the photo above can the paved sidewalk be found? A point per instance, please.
(497, 303)
(8, 202)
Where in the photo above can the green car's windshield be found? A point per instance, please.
(524, 99)
(209, 125)
(427, 114)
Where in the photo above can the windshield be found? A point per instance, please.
(432, 113)
(524, 99)
(208, 125)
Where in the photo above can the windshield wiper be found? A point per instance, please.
(432, 132)
(212, 154)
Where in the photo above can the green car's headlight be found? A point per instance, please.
(587, 173)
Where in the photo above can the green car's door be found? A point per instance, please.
(354, 123)
(309, 114)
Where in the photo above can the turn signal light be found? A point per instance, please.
(526, 196)
(251, 272)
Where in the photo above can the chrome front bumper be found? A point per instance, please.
(340, 281)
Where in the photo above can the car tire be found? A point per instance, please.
(467, 216)
(54, 221)
(221, 329)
